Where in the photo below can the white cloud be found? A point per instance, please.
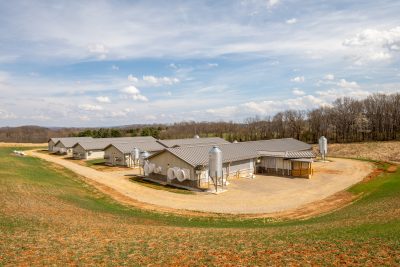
(268, 107)
(298, 79)
(40, 117)
(346, 84)
(227, 112)
(212, 65)
(298, 92)
(90, 107)
(132, 78)
(343, 88)
(100, 50)
(150, 80)
(373, 45)
(6, 115)
(4, 76)
(134, 93)
(114, 67)
(157, 81)
(131, 90)
(118, 113)
(150, 117)
(103, 99)
(334, 93)
(329, 77)
(97, 49)
(291, 21)
(84, 118)
(272, 3)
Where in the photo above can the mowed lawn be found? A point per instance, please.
(48, 215)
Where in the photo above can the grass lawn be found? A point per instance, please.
(49, 216)
(94, 162)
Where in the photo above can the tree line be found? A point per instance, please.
(375, 118)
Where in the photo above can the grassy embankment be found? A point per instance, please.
(48, 215)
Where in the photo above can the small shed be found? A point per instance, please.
(288, 163)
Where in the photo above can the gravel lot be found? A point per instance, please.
(264, 194)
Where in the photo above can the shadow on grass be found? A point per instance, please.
(153, 185)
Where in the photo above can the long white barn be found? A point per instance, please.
(187, 166)
(94, 149)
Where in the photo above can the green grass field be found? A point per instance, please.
(92, 162)
(49, 216)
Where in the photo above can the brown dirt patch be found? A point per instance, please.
(392, 168)
(3, 144)
(372, 175)
(387, 151)
(98, 167)
(327, 171)
(327, 205)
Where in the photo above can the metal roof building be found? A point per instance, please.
(120, 153)
(192, 141)
(95, 147)
(51, 143)
(198, 154)
(239, 160)
(64, 145)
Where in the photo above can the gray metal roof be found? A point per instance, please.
(192, 141)
(198, 155)
(71, 141)
(287, 154)
(54, 139)
(302, 160)
(102, 143)
(127, 147)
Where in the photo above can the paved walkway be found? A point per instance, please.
(264, 194)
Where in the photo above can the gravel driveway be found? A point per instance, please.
(264, 194)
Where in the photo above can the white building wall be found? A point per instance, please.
(78, 152)
(96, 154)
(60, 148)
(114, 157)
(51, 146)
(167, 160)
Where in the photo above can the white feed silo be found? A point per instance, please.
(135, 156)
(215, 165)
(143, 156)
(323, 146)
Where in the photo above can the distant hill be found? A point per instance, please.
(39, 134)
(33, 134)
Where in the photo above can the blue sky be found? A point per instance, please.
(105, 63)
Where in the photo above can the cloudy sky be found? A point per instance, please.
(104, 63)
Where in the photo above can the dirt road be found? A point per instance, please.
(264, 194)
